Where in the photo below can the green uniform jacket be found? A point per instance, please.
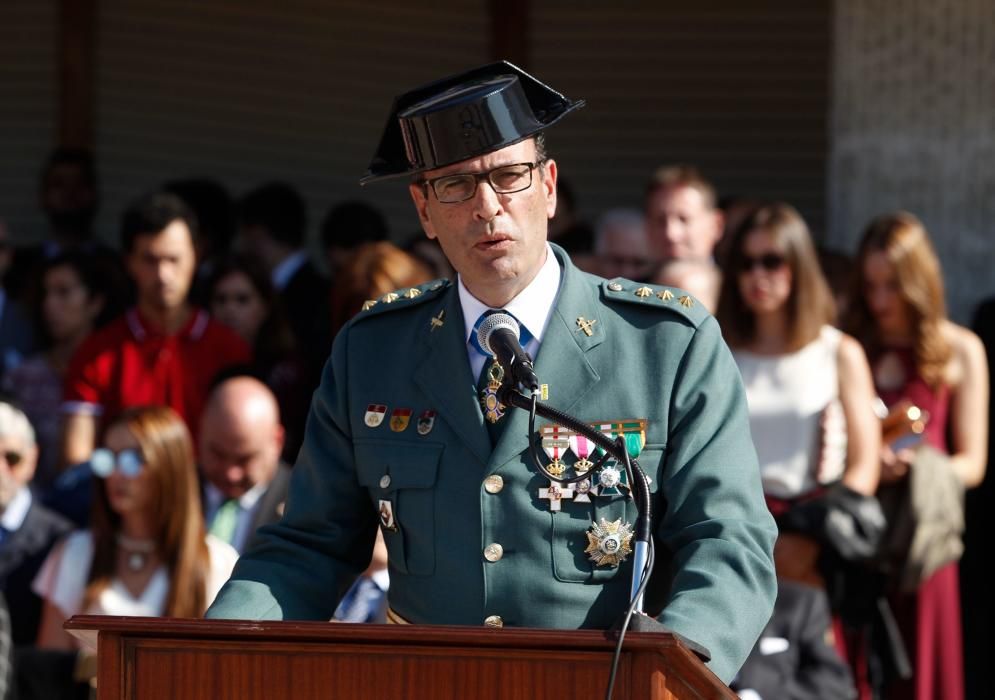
(657, 356)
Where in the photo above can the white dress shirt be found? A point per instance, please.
(531, 307)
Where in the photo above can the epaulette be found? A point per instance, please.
(670, 298)
(403, 298)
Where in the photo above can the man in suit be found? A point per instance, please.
(244, 482)
(273, 225)
(27, 529)
(404, 427)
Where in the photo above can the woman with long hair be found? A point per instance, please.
(810, 397)
(898, 313)
(808, 385)
(73, 301)
(241, 295)
(146, 552)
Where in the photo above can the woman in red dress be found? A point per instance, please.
(898, 313)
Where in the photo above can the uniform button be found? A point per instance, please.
(385, 481)
(493, 484)
(615, 287)
(493, 552)
(493, 621)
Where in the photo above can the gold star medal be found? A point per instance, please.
(609, 543)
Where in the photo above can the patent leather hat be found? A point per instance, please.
(464, 116)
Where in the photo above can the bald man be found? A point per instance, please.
(245, 484)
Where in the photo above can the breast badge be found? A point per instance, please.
(399, 419)
(426, 421)
(375, 413)
(609, 543)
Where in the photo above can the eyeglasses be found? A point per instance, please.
(12, 457)
(504, 179)
(128, 462)
(768, 262)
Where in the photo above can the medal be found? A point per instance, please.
(611, 478)
(584, 490)
(493, 409)
(375, 413)
(426, 421)
(555, 443)
(582, 447)
(399, 419)
(387, 515)
(609, 543)
(555, 495)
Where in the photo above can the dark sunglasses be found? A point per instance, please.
(128, 462)
(12, 458)
(769, 262)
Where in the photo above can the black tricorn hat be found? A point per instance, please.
(464, 116)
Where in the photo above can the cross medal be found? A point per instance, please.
(582, 447)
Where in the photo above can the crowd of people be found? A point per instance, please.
(155, 395)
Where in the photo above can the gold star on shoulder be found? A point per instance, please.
(686, 301)
(643, 292)
(412, 293)
(369, 304)
(389, 298)
(665, 295)
(609, 543)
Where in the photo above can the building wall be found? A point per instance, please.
(251, 91)
(28, 96)
(913, 127)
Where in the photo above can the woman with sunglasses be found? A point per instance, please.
(808, 386)
(146, 552)
(897, 311)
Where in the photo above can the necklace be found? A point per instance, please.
(137, 551)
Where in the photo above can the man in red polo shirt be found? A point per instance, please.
(162, 351)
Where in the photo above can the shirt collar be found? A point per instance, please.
(288, 268)
(531, 307)
(194, 327)
(13, 517)
(247, 501)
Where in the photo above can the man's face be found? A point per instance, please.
(162, 265)
(17, 467)
(681, 225)
(497, 242)
(238, 453)
(624, 251)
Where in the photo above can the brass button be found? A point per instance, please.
(493, 552)
(385, 481)
(614, 287)
(493, 484)
(493, 621)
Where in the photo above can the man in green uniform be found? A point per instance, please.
(405, 433)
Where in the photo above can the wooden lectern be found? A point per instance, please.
(153, 658)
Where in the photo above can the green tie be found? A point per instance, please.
(225, 520)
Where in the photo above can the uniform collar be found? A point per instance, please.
(531, 307)
(13, 517)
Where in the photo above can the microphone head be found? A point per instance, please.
(493, 323)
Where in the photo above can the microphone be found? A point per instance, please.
(498, 335)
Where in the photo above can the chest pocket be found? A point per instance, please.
(405, 474)
(571, 525)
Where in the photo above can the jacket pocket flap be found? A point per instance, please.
(391, 465)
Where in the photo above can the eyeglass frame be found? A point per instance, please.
(429, 183)
(130, 471)
(768, 262)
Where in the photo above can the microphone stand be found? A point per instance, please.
(638, 484)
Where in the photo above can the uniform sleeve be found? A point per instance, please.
(298, 568)
(716, 525)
